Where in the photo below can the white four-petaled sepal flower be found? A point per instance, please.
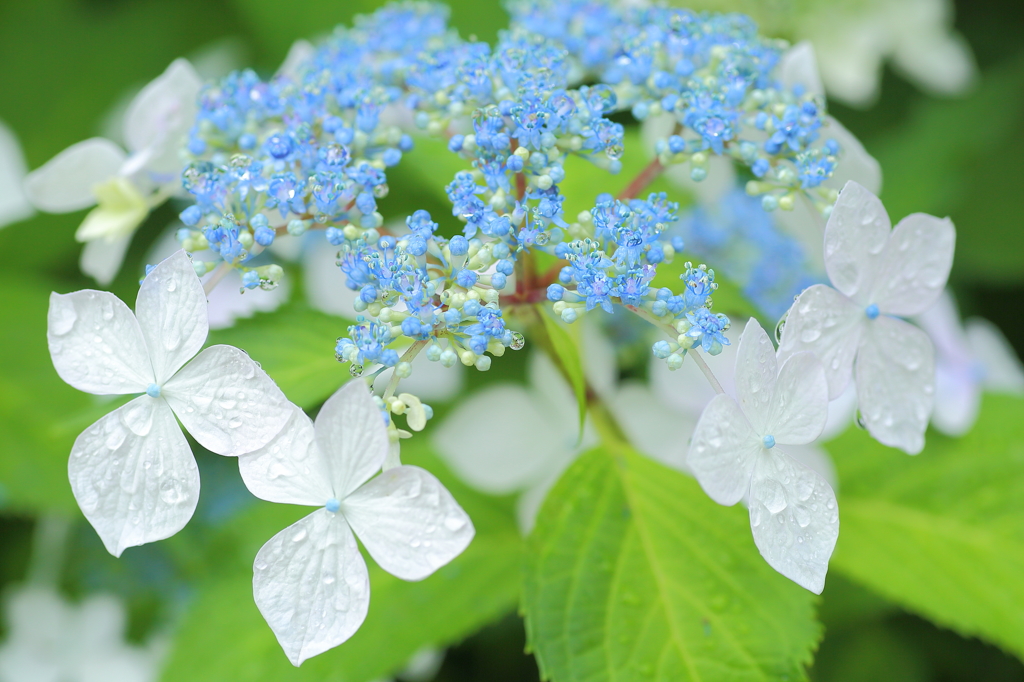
(879, 274)
(126, 186)
(735, 452)
(310, 581)
(132, 471)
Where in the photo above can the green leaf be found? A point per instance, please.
(941, 534)
(40, 415)
(567, 353)
(951, 158)
(295, 345)
(633, 573)
(224, 637)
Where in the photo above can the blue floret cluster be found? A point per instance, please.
(310, 148)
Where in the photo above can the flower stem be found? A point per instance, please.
(650, 172)
(408, 356)
(692, 352)
(218, 274)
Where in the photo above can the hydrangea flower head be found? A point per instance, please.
(132, 471)
(734, 454)
(310, 581)
(879, 274)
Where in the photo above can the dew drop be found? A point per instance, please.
(299, 536)
(518, 341)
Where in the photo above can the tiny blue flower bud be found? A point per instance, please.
(434, 352)
(676, 144)
(391, 157)
(555, 292)
(153, 391)
(191, 216)
(674, 361)
(388, 357)
(872, 311)
(333, 505)
(405, 143)
(498, 280)
(368, 294)
(769, 202)
(458, 246)
(698, 174)
(247, 141)
(569, 315)
(251, 279)
(661, 349)
(334, 235)
(264, 236)
(471, 307)
(455, 144)
(466, 278)
(769, 442)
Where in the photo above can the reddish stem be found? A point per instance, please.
(646, 177)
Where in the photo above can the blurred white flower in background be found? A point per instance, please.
(854, 38)
(14, 205)
(124, 187)
(52, 640)
(969, 359)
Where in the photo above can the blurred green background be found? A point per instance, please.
(65, 63)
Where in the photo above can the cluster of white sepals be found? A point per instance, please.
(136, 480)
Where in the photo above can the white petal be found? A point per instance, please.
(101, 258)
(957, 398)
(134, 476)
(817, 460)
(756, 372)
(226, 304)
(121, 209)
(14, 205)
(351, 433)
(856, 235)
(408, 522)
(854, 161)
(171, 308)
(299, 53)
(941, 322)
(799, 406)
(850, 58)
(896, 382)
(161, 114)
(794, 519)
(290, 469)
(64, 183)
(552, 394)
(723, 451)
(1001, 367)
(499, 459)
(654, 428)
(324, 282)
(227, 402)
(841, 412)
(96, 344)
(828, 324)
(799, 66)
(600, 366)
(311, 585)
(916, 266)
(941, 64)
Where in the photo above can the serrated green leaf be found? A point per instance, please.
(632, 573)
(941, 534)
(295, 345)
(224, 637)
(567, 354)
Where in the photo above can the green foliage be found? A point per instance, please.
(224, 637)
(633, 573)
(40, 415)
(950, 158)
(941, 534)
(294, 344)
(567, 354)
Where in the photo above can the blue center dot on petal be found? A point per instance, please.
(769, 441)
(153, 391)
(871, 311)
(333, 505)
